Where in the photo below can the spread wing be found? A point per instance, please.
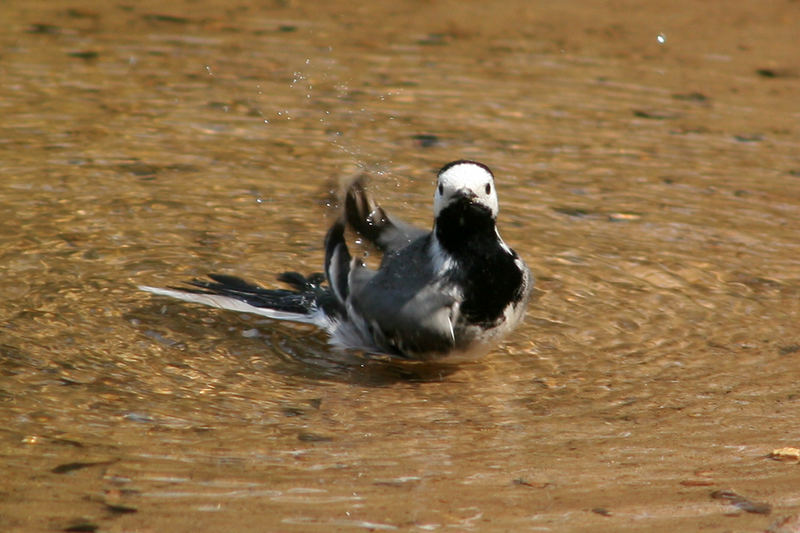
(371, 221)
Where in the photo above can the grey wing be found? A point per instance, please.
(371, 221)
(408, 319)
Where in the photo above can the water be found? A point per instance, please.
(652, 187)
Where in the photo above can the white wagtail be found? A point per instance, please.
(450, 294)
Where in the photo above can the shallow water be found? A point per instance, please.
(653, 188)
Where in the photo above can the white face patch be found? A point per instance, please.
(465, 179)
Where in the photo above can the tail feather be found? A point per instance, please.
(278, 299)
(302, 283)
(233, 293)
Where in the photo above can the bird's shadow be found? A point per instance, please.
(287, 349)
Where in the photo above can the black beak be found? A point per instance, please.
(468, 195)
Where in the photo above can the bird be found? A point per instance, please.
(449, 294)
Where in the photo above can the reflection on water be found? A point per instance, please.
(652, 187)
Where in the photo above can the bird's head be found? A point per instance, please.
(465, 195)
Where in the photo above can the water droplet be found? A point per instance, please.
(661, 38)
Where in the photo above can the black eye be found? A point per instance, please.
(488, 188)
(441, 189)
